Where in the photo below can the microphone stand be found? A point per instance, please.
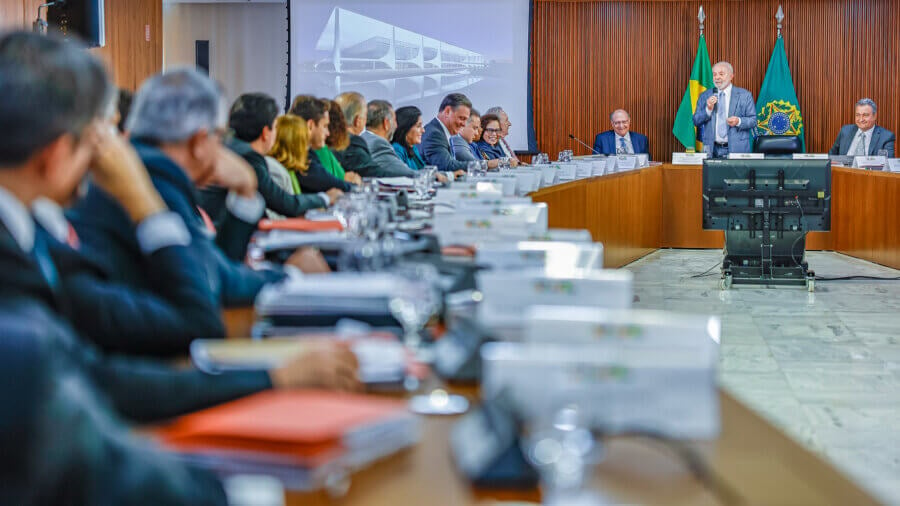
(576, 139)
(39, 25)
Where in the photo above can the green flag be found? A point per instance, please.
(701, 80)
(778, 110)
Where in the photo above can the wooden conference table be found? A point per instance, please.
(633, 214)
(637, 212)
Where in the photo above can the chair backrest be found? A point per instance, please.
(777, 146)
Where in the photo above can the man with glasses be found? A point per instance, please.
(505, 124)
(620, 140)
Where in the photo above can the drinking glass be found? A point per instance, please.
(473, 168)
(504, 163)
(484, 168)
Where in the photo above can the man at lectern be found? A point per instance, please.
(725, 115)
(621, 140)
(864, 138)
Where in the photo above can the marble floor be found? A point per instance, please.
(823, 366)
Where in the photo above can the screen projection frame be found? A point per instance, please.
(529, 105)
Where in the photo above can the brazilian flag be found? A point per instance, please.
(701, 80)
(778, 108)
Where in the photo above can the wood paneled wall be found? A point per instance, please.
(133, 35)
(591, 57)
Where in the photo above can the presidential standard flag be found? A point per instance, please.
(701, 80)
(778, 109)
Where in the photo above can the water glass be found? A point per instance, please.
(484, 168)
(504, 163)
(473, 168)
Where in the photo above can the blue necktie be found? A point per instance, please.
(41, 255)
(622, 145)
(721, 119)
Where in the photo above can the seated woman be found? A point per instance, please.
(289, 155)
(408, 136)
(338, 139)
(489, 145)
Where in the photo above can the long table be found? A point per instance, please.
(751, 459)
(634, 213)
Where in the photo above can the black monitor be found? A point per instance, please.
(766, 207)
(795, 195)
(83, 19)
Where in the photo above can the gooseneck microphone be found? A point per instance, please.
(576, 139)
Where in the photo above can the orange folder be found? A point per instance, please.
(306, 427)
(300, 225)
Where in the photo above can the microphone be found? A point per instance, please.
(579, 141)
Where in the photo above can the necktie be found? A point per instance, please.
(622, 148)
(860, 145)
(41, 255)
(721, 118)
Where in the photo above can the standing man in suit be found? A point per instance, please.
(621, 140)
(865, 137)
(726, 115)
(452, 116)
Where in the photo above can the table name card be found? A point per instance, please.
(746, 156)
(810, 156)
(626, 162)
(688, 158)
(894, 164)
(867, 162)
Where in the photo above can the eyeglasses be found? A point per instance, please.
(492, 130)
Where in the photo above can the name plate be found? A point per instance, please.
(549, 175)
(688, 158)
(564, 258)
(584, 169)
(746, 156)
(566, 171)
(810, 156)
(869, 162)
(643, 159)
(598, 167)
(627, 162)
(669, 389)
(894, 164)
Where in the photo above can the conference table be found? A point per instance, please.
(751, 462)
(636, 212)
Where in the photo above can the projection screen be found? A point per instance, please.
(414, 52)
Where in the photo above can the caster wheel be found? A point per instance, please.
(725, 282)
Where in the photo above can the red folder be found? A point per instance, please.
(307, 427)
(300, 225)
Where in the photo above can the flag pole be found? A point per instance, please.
(702, 17)
(779, 16)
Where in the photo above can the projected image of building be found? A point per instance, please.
(362, 53)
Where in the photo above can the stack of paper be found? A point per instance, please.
(301, 437)
(382, 358)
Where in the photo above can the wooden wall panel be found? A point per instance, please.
(133, 49)
(129, 55)
(591, 57)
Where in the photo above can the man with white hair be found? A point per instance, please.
(620, 140)
(504, 131)
(864, 138)
(725, 115)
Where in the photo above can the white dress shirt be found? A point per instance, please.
(629, 149)
(724, 101)
(866, 137)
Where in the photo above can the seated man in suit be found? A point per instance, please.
(357, 157)
(381, 122)
(621, 140)
(43, 157)
(452, 117)
(505, 125)
(865, 138)
(252, 119)
(726, 115)
(464, 142)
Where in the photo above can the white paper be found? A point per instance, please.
(626, 162)
(400, 181)
(810, 156)
(746, 156)
(894, 164)
(688, 158)
(869, 161)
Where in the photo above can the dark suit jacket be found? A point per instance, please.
(212, 199)
(61, 442)
(161, 321)
(108, 235)
(605, 143)
(357, 158)
(436, 151)
(488, 152)
(140, 390)
(881, 139)
(317, 179)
